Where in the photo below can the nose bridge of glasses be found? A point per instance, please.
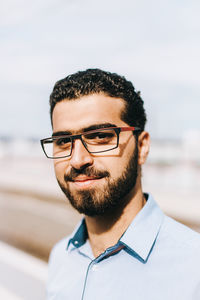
(78, 137)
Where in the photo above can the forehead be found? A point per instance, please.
(78, 114)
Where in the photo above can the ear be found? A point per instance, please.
(143, 147)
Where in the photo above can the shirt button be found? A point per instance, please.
(94, 268)
(76, 242)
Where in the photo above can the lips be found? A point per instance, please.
(85, 181)
(84, 178)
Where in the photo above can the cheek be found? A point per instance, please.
(114, 165)
(117, 161)
(60, 169)
(120, 164)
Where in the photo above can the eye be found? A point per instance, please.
(100, 135)
(104, 136)
(63, 142)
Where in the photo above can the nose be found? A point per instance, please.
(80, 157)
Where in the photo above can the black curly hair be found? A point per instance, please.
(95, 81)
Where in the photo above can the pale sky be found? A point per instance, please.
(155, 44)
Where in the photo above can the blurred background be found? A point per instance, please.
(154, 44)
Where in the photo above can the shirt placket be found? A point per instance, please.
(93, 266)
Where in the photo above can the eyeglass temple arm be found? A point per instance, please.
(130, 128)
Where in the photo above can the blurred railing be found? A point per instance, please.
(35, 214)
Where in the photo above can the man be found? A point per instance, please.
(124, 247)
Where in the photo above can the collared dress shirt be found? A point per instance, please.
(156, 258)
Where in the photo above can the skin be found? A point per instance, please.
(75, 115)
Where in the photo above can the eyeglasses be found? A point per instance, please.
(95, 141)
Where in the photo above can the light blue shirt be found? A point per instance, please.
(157, 258)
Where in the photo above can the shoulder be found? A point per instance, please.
(179, 235)
(59, 250)
(60, 246)
(57, 259)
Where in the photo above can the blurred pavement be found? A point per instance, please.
(22, 276)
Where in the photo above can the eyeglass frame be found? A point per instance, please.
(74, 137)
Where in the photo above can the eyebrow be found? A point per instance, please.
(89, 128)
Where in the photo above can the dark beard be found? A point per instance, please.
(96, 202)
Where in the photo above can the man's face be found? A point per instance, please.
(95, 184)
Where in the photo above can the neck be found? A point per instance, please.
(105, 231)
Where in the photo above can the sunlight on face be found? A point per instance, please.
(99, 180)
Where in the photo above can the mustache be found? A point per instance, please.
(90, 172)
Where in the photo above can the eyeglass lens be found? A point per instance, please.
(95, 142)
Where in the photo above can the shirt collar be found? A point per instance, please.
(143, 231)
(79, 235)
(140, 236)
